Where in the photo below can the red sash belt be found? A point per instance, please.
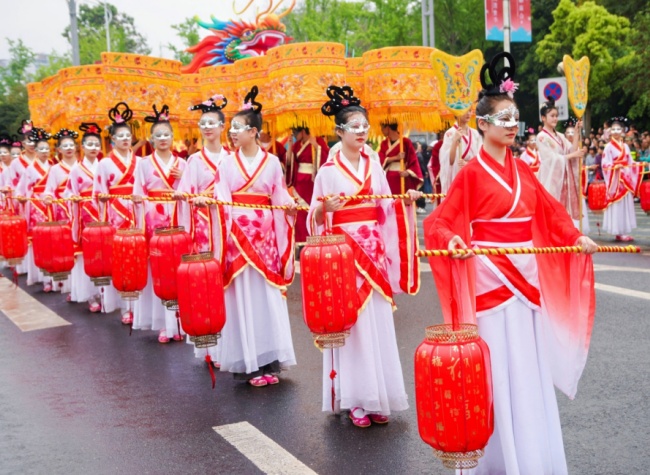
(38, 189)
(355, 215)
(251, 199)
(121, 190)
(502, 232)
(87, 193)
(159, 193)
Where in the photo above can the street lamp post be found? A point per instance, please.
(428, 26)
(107, 19)
(506, 26)
(74, 32)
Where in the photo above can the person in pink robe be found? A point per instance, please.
(534, 312)
(461, 143)
(115, 175)
(32, 185)
(257, 255)
(5, 163)
(397, 156)
(157, 176)
(382, 233)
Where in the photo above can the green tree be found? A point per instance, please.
(15, 73)
(460, 26)
(633, 73)
(626, 8)
(124, 36)
(589, 30)
(56, 62)
(188, 32)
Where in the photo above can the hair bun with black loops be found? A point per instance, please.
(5, 141)
(66, 134)
(162, 116)
(120, 114)
(16, 142)
(26, 127)
(340, 98)
(250, 103)
(211, 104)
(38, 135)
(90, 128)
(501, 79)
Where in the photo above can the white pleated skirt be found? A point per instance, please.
(620, 217)
(111, 300)
(34, 274)
(585, 219)
(527, 437)
(369, 371)
(149, 313)
(81, 287)
(257, 330)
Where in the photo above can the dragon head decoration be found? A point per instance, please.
(233, 40)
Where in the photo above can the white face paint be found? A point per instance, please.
(162, 136)
(355, 126)
(616, 130)
(569, 133)
(67, 146)
(4, 153)
(15, 155)
(236, 127)
(28, 142)
(92, 145)
(205, 124)
(506, 118)
(122, 136)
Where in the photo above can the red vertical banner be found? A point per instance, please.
(494, 20)
(520, 27)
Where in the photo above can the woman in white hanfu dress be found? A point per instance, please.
(534, 312)
(83, 211)
(257, 257)
(32, 185)
(115, 175)
(369, 382)
(559, 163)
(623, 179)
(157, 176)
(460, 144)
(198, 178)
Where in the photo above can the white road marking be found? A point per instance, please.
(623, 291)
(598, 267)
(266, 454)
(25, 311)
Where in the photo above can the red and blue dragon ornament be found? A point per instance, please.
(232, 40)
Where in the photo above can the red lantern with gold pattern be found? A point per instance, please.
(129, 263)
(166, 248)
(54, 249)
(644, 196)
(597, 196)
(201, 303)
(453, 394)
(13, 239)
(330, 302)
(97, 248)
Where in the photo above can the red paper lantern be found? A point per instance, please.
(97, 248)
(201, 303)
(330, 301)
(129, 263)
(644, 196)
(13, 239)
(453, 394)
(166, 248)
(53, 249)
(597, 196)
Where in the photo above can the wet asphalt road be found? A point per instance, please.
(89, 398)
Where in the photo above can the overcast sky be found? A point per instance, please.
(39, 23)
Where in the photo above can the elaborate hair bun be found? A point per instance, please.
(250, 103)
(26, 127)
(162, 116)
(621, 119)
(501, 79)
(120, 114)
(5, 141)
(211, 104)
(90, 128)
(66, 134)
(340, 98)
(571, 122)
(16, 142)
(38, 135)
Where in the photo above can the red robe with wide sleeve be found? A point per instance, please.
(411, 165)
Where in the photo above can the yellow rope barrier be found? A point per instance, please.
(500, 251)
(403, 196)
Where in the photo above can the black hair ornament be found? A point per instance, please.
(250, 103)
(211, 104)
(66, 134)
(90, 129)
(16, 142)
(621, 120)
(502, 80)
(340, 98)
(5, 141)
(162, 116)
(39, 135)
(120, 114)
(26, 127)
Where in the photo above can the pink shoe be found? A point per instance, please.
(627, 238)
(68, 298)
(216, 364)
(271, 378)
(258, 382)
(363, 421)
(178, 338)
(378, 418)
(47, 288)
(94, 307)
(127, 318)
(162, 337)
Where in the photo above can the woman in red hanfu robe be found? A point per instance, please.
(397, 156)
(369, 381)
(115, 175)
(198, 178)
(534, 312)
(623, 179)
(32, 185)
(530, 155)
(307, 155)
(157, 176)
(257, 255)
